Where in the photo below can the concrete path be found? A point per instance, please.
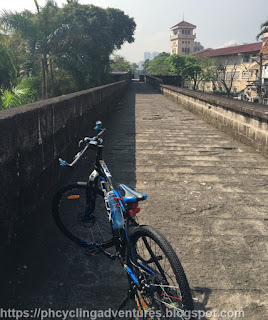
(207, 193)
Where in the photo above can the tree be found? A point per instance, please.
(145, 66)
(36, 30)
(192, 70)
(24, 93)
(185, 66)
(163, 54)
(75, 41)
(158, 66)
(86, 39)
(7, 68)
(264, 30)
(119, 63)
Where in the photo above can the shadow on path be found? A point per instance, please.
(54, 273)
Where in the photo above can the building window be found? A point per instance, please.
(246, 74)
(246, 59)
(182, 49)
(182, 31)
(183, 42)
(174, 50)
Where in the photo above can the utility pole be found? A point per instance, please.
(260, 76)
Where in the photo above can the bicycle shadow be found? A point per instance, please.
(202, 295)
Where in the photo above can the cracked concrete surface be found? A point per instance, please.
(207, 193)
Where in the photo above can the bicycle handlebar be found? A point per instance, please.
(90, 142)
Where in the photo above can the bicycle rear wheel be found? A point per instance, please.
(165, 290)
(70, 209)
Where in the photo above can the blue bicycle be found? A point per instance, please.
(156, 278)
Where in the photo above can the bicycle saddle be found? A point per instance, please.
(131, 195)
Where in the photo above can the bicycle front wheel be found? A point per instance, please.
(165, 290)
(71, 211)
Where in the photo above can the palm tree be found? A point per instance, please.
(264, 30)
(36, 30)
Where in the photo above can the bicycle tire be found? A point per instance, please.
(168, 287)
(68, 208)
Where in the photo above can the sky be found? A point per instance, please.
(218, 22)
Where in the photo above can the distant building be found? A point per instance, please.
(140, 64)
(242, 65)
(183, 39)
(198, 47)
(147, 55)
(150, 55)
(154, 55)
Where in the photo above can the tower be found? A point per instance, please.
(182, 40)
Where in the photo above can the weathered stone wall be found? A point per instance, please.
(31, 139)
(245, 121)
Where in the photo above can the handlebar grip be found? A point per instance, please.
(98, 126)
(63, 163)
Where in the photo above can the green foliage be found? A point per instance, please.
(121, 64)
(7, 69)
(163, 54)
(64, 49)
(87, 37)
(158, 66)
(264, 30)
(175, 65)
(24, 93)
(145, 66)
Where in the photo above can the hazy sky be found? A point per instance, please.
(217, 21)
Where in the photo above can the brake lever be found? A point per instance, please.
(80, 143)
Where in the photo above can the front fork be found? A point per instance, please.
(91, 194)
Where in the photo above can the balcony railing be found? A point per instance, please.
(182, 36)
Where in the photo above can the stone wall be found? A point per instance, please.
(31, 139)
(245, 121)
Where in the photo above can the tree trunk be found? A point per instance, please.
(43, 94)
(47, 74)
(52, 91)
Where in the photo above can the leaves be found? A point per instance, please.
(7, 69)
(74, 41)
(121, 64)
(22, 94)
(264, 30)
(175, 65)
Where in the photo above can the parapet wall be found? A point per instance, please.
(31, 139)
(245, 121)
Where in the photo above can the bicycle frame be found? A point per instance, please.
(102, 176)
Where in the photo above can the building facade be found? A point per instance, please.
(183, 39)
(241, 69)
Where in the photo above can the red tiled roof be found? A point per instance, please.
(251, 47)
(184, 24)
